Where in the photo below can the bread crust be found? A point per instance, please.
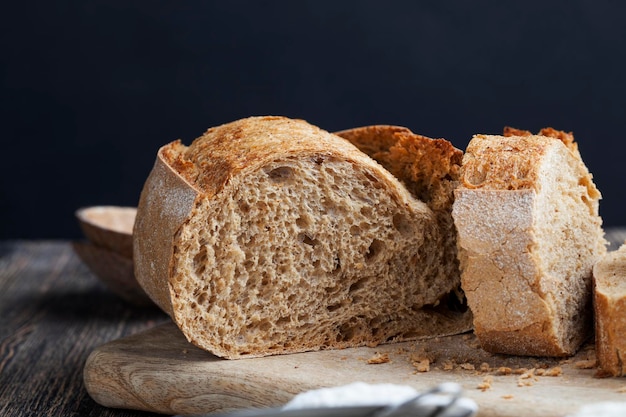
(187, 180)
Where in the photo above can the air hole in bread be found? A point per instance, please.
(374, 250)
(244, 207)
(307, 240)
(264, 325)
(303, 222)
(200, 260)
(280, 174)
(476, 177)
(265, 279)
(202, 298)
(337, 266)
(373, 179)
(401, 224)
(359, 284)
(334, 307)
(392, 338)
(346, 332)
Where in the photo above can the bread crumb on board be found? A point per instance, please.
(508, 397)
(486, 384)
(504, 370)
(467, 366)
(379, 358)
(527, 379)
(421, 364)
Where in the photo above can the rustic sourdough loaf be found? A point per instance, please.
(529, 235)
(268, 235)
(610, 312)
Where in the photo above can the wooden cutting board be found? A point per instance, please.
(158, 370)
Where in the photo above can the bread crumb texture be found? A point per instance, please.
(299, 241)
(529, 235)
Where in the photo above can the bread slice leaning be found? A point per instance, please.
(268, 235)
(529, 235)
(610, 312)
(430, 169)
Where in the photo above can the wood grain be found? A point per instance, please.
(53, 313)
(158, 370)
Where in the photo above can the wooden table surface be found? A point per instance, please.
(53, 313)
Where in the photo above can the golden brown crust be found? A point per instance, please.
(429, 167)
(566, 137)
(494, 163)
(225, 151)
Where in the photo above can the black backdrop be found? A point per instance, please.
(91, 89)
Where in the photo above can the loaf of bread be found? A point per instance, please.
(529, 234)
(269, 235)
(610, 312)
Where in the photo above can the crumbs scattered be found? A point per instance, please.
(421, 364)
(622, 389)
(486, 384)
(527, 379)
(556, 371)
(379, 358)
(467, 366)
(447, 365)
(508, 397)
(504, 370)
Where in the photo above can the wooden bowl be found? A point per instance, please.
(109, 227)
(108, 251)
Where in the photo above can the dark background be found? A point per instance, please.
(91, 89)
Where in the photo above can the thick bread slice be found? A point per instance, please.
(268, 235)
(529, 234)
(610, 312)
(430, 169)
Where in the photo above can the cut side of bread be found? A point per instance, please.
(269, 235)
(430, 169)
(610, 313)
(529, 234)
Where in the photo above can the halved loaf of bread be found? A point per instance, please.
(610, 312)
(529, 235)
(268, 235)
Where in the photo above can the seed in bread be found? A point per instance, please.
(529, 235)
